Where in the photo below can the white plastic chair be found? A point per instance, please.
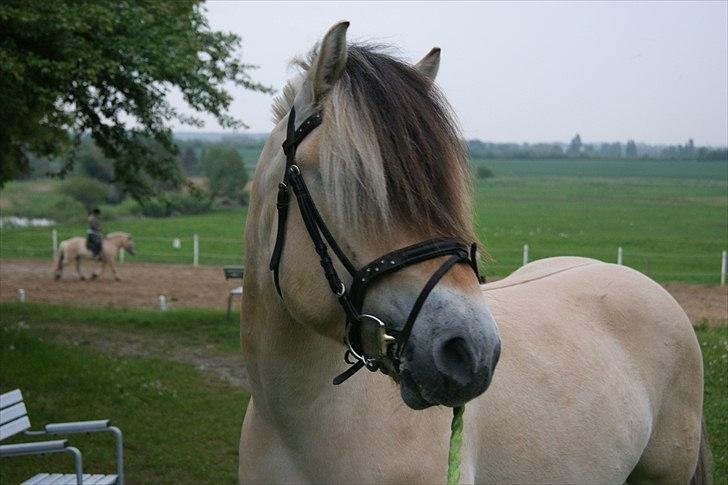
(14, 420)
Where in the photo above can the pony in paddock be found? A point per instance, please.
(74, 249)
(600, 376)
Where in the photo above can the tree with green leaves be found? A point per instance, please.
(104, 68)
(575, 147)
(631, 150)
(226, 173)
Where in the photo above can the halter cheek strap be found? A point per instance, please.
(352, 302)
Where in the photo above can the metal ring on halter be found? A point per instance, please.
(341, 292)
(294, 169)
(356, 355)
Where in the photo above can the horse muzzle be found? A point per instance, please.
(460, 373)
(452, 353)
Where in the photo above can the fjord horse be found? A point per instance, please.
(74, 249)
(600, 378)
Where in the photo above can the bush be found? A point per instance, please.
(89, 192)
(172, 204)
(484, 172)
(226, 173)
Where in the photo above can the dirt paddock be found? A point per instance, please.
(205, 287)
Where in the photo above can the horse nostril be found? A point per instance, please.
(455, 361)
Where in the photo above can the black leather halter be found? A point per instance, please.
(391, 341)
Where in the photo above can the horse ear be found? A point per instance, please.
(430, 64)
(331, 60)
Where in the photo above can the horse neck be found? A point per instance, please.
(116, 239)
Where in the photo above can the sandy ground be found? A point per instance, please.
(206, 287)
(140, 285)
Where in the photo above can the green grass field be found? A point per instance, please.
(670, 217)
(181, 425)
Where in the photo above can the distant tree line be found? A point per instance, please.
(577, 149)
(216, 170)
(196, 156)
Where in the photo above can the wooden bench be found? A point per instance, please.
(233, 272)
(14, 420)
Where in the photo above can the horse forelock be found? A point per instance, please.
(390, 149)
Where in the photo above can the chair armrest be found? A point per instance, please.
(77, 427)
(33, 448)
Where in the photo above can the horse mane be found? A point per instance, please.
(391, 150)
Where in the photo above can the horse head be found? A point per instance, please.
(377, 161)
(122, 240)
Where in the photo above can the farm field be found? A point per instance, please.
(670, 217)
(151, 374)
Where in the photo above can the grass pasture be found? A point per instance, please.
(220, 233)
(670, 217)
(181, 424)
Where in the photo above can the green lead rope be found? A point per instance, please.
(456, 439)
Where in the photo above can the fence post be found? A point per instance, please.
(723, 267)
(620, 254)
(162, 303)
(195, 250)
(54, 238)
(525, 254)
(121, 255)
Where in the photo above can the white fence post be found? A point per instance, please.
(723, 258)
(21, 295)
(195, 250)
(121, 255)
(620, 255)
(162, 303)
(54, 238)
(525, 254)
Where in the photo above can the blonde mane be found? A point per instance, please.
(390, 148)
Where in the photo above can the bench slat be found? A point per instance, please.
(61, 478)
(70, 479)
(13, 412)
(107, 480)
(10, 398)
(35, 479)
(43, 479)
(14, 427)
(102, 480)
(93, 479)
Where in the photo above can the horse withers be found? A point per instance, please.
(75, 250)
(600, 376)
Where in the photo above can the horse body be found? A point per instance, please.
(596, 384)
(600, 377)
(74, 249)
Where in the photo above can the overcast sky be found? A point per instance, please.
(517, 72)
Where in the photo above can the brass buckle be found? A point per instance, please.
(384, 340)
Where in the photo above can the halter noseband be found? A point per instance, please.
(391, 341)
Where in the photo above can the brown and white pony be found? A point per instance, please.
(74, 249)
(600, 379)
